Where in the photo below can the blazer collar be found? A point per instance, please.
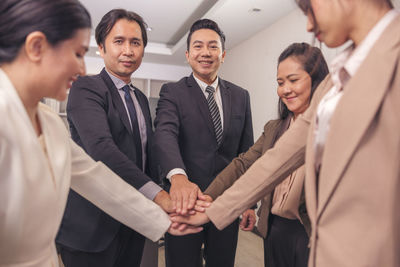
(203, 106)
(363, 96)
(119, 105)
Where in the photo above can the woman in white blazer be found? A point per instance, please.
(42, 44)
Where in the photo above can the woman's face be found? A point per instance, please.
(330, 21)
(63, 63)
(294, 85)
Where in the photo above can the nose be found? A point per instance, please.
(205, 52)
(286, 90)
(127, 49)
(82, 68)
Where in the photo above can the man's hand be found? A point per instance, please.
(202, 202)
(183, 229)
(248, 220)
(163, 200)
(197, 219)
(183, 193)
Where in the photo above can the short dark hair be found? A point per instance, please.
(206, 24)
(108, 21)
(57, 20)
(313, 63)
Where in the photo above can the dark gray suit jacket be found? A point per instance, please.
(99, 124)
(185, 138)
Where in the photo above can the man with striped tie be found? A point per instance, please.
(202, 123)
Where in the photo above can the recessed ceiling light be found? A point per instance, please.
(149, 29)
(255, 9)
(98, 52)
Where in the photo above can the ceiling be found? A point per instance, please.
(170, 21)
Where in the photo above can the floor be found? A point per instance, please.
(249, 253)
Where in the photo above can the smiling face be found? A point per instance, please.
(64, 63)
(294, 85)
(205, 54)
(123, 51)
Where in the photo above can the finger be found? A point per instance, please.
(184, 203)
(175, 225)
(182, 227)
(192, 199)
(199, 208)
(173, 199)
(192, 212)
(179, 219)
(179, 202)
(203, 204)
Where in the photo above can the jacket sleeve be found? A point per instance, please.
(88, 114)
(268, 171)
(247, 139)
(237, 167)
(98, 184)
(166, 136)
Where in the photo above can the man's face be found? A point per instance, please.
(123, 51)
(205, 54)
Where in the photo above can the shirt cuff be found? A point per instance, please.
(175, 171)
(150, 190)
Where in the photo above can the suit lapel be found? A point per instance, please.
(356, 110)
(199, 98)
(310, 182)
(226, 107)
(119, 105)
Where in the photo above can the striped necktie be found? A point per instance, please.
(212, 105)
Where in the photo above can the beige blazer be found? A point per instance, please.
(354, 203)
(34, 188)
(272, 131)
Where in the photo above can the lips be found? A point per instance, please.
(127, 63)
(205, 63)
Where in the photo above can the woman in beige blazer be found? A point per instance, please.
(42, 44)
(349, 139)
(300, 70)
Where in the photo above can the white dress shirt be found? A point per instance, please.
(343, 67)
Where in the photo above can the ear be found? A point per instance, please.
(101, 50)
(35, 45)
(223, 56)
(187, 55)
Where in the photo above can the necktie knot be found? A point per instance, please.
(126, 88)
(210, 90)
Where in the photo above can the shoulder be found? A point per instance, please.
(175, 88)
(272, 125)
(89, 81)
(233, 87)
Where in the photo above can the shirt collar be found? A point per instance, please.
(118, 82)
(203, 85)
(346, 64)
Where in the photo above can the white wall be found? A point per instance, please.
(252, 64)
(146, 71)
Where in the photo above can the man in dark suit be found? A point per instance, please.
(202, 123)
(110, 119)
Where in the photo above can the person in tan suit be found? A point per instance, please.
(348, 138)
(301, 68)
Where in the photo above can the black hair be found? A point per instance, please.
(58, 20)
(206, 24)
(313, 63)
(108, 21)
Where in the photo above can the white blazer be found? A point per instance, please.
(34, 190)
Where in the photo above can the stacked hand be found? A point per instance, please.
(186, 205)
